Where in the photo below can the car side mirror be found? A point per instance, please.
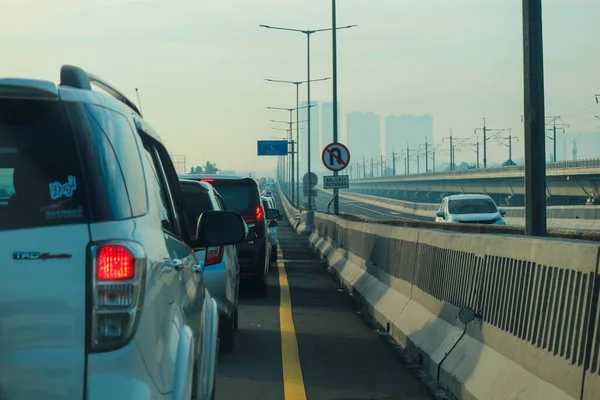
(272, 213)
(502, 211)
(440, 213)
(220, 228)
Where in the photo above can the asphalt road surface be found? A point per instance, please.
(357, 207)
(306, 341)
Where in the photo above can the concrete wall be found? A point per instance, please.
(537, 336)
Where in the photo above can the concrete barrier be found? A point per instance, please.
(536, 334)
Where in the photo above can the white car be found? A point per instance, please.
(470, 209)
(101, 296)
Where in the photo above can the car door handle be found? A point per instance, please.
(177, 264)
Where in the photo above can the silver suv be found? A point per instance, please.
(101, 296)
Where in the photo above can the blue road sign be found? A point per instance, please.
(272, 147)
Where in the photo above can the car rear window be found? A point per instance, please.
(40, 179)
(239, 195)
(197, 201)
(472, 206)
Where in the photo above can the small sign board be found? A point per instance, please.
(336, 182)
(272, 147)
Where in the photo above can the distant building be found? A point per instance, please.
(412, 131)
(363, 130)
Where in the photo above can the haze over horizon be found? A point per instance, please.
(200, 67)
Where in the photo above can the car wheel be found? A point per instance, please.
(226, 328)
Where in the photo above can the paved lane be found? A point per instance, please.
(305, 341)
(357, 207)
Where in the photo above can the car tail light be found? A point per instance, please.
(257, 217)
(207, 180)
(119, 271)
(214, 255)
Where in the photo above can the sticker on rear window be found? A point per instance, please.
(58, 190)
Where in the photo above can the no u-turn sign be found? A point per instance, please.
(336, 157)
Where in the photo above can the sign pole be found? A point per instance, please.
(336, 200)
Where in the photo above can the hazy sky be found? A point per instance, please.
(200, 65)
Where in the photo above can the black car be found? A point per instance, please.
(242, 195)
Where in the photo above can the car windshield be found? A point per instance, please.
(471, 206)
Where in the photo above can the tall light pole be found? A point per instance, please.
(334, 28)
(292, 142)
(297, 84)
(307, 33)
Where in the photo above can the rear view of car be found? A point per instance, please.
(242, 195)
(96, 260)
(269, 204)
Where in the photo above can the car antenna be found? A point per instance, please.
(138, 97)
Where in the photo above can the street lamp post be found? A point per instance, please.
(307, 33)
(297, 84)
(292, 141)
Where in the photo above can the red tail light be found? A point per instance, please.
(214, 255)
(118, 285)
(114, 263)
(207, 180)
(257, 217)
(259, 213)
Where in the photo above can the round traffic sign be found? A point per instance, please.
(314, 179)
(335, 157)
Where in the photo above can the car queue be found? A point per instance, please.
(121, 278)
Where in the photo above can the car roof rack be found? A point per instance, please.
(76, 77)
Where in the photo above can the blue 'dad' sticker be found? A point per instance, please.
(58, 190)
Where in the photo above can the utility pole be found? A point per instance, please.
(364, 168)
(393, 162)
(486, 130)
(372, 169)
(407, 159)
(453, 146)
(510, 138)
(381, 166)
(426, 156)
(553, 129)
(451, 150)
(433, 155)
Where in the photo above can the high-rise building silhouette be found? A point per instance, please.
(363, 130)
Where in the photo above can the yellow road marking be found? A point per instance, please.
(293, 383)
